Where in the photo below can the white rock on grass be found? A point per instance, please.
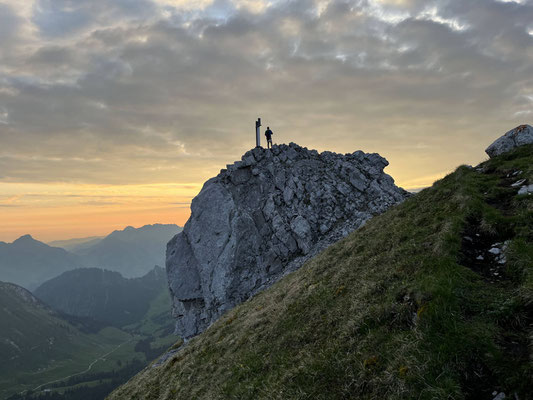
(518, 183)
(262, 218)
(526, 189)
(495, 250)
(516, 137)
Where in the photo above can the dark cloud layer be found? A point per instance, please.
(132, 91)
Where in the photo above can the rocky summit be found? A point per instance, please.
(262, 218)
(519, 136)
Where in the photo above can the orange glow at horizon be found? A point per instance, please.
(59, 211)
(63, 211)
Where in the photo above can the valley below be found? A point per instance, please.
(85, 331)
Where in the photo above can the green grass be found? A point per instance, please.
(394, 311)
(158, 320)
(81, 352)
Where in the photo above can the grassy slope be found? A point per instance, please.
(158, 320)
(45, 344)
(388, 312)
(33, 325)
(156, 328)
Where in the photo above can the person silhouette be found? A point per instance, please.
(268, 134)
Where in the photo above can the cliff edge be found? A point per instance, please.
(262, 218)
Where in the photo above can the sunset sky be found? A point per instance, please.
(114, 112)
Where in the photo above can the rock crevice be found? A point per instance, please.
(263, 217)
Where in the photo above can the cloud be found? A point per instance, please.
(134, 91)
(57, 18)
(185, 4)
(9, 22)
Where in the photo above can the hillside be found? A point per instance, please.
(133, 251)
(431, 300)
(28, 262)
(103, 295)
(43, 349)
(37, 344)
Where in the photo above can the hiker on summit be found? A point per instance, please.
(268, 134)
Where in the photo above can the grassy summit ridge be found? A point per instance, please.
(403, 308)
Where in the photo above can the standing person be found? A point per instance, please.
(268, 134)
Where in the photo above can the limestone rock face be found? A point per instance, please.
(516, 137)
(262, 218)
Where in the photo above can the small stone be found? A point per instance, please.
(480, 258)
(495, 250)
(526, 189)
(248, 160)
(518, 183)
(501, 396)
(288, 194)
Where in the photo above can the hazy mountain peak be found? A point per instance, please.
(29, 262)
(25, 239)
(132, 251)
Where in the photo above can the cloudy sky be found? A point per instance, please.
(114, 112)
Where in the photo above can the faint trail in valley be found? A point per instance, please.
(83, 372)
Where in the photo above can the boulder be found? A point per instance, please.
(262, 218)
(516, 137)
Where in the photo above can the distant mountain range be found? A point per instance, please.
(73, 245)
(132, 252)
(28, 262)
(103, 295)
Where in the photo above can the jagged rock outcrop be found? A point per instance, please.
(261, 218)
(516, 137)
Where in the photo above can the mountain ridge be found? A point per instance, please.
(130, 251)
(431, 299)
(74, 243)
(102, 295)
(27, 261)
(133, 252)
